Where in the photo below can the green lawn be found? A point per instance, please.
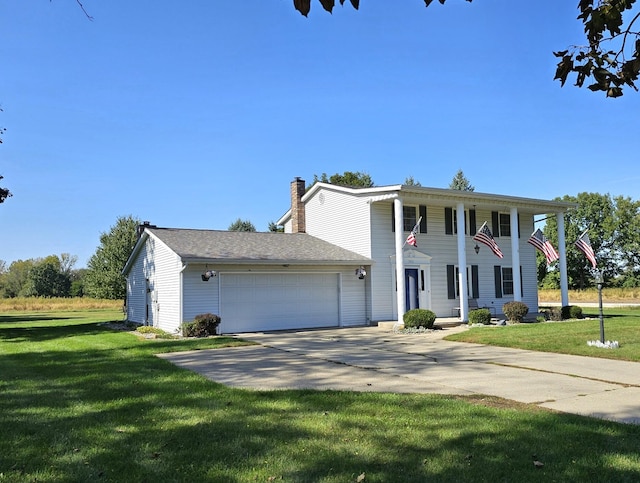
(569, 337)
(81, 402)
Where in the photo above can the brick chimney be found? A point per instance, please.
(297, 206)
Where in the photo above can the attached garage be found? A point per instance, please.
(251, 302)
(253, 281)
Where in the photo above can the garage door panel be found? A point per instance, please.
(256, 302)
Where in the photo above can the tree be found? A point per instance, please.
(460, 182)
(241, 225)
(409, 181)
(104, 278)
(596, 213)
(275, 228)
(613, 60)
(47, 278)
(627, 240)
(16, 279)
(351, 179)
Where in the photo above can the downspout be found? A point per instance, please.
(181, 296)
(462, 263)
(400, 288)
(515, 256)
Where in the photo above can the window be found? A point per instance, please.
(503, 277)
(504, 224)
(411, 215)
(507, 281)
(453, 287)
(451, 221)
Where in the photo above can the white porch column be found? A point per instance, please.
(400, 288)
(515, 256)
(462, 263)
(562, 251)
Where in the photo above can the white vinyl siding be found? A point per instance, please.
(382, 276)
(199, 297)
(341, 219)
(153, 287)
(164, 283)
(136, 292)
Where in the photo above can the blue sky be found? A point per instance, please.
(193, 114)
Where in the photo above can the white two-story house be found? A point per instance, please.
(343, 261)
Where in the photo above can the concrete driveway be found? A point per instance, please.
(372, 359)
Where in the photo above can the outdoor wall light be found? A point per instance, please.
(477, 249)
(208, 274)
(361, 272)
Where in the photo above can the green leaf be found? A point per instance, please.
(302, 6)
(328, 5)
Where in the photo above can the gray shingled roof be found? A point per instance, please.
(252, 247)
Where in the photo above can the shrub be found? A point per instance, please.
(555, 313)
(419, 318)
(480, 316)
(203, 325)
(159, 333)
(515, 311)
(575, 312)
(566, 312)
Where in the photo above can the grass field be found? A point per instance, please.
(568, 337)
(616, 295)
(57, 304)
(82, 402)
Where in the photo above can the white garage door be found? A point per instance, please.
(259, 302)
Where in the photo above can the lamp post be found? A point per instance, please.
(600, 281)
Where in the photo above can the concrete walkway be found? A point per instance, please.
(372, 359)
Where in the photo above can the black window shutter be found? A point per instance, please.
(495, 224)
(475, 287)
(518, 225)
(472, 222)
(448, 221)
(451, 282)
(423, 222)
(393, 217)
(497, 274)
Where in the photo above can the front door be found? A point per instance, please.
(412, 294)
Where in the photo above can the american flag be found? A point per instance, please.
(411, 239)
(584, 245)
(539, 241)
(484, 236)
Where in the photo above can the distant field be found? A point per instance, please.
(39, 304)
(630, 295)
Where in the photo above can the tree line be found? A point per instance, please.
(613, 224)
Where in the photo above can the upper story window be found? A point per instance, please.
(451, 221)
(410, 216)
(504, 224)
(501, 224)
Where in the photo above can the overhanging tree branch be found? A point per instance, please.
(610, 69)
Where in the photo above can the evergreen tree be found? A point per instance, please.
(241, 225)
(460, 182)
